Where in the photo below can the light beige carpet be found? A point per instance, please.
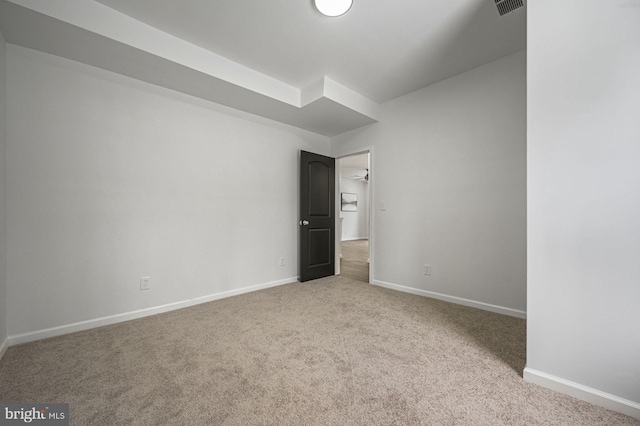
(327, 352)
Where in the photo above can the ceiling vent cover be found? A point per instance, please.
(506, 6)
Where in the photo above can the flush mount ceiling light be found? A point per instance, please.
(333, 7)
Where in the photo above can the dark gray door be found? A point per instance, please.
(317, 216)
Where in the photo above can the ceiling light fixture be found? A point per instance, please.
(333, 7)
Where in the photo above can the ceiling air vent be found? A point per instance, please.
(506, 6)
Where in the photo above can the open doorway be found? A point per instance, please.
(354, 219)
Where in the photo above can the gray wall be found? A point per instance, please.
(3, 198)
(584, 194)
(111, 179)
(449, 163)
(355, 225)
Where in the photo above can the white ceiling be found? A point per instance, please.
(381, 49)
(359, 161)
(280, 59)
(354, 166)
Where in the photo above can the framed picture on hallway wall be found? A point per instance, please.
(348, 202)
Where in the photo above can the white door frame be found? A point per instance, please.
(338, 237)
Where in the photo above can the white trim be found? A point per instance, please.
(453, 299)
(354, 238)
(113, 319)
(582, 392)
(3, 347)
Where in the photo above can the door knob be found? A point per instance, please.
(304, 222)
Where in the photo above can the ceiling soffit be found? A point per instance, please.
(94, 34)
(279, 59)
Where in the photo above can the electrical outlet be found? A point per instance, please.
(145, 283)
(282, 261)
(427, 269)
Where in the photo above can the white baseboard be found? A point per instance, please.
(582, 392)
(127, 316)
(355, 238)
(3, 347)
(453, 299)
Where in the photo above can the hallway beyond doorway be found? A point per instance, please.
(354, 263)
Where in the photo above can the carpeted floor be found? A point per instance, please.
(327, 352)
(354, 261)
